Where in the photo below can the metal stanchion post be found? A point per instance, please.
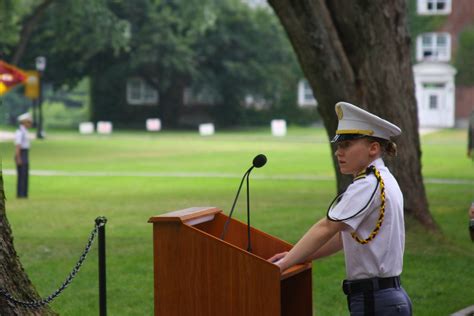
(102, 271)
(99, 229)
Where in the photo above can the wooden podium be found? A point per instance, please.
(199, 274)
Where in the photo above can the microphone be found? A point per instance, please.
(258, 162)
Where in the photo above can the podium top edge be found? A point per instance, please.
(185, 214)
(295, 270)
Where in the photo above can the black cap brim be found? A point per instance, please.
(343, 137)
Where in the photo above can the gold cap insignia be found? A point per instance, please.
(339, 112)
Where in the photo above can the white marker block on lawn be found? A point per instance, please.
(153, 125)
(104, 127)
(206, 129)
(278, 127)
(86, 128)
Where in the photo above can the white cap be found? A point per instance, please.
(355, 123)
(25, 117)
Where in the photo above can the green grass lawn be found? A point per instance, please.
(288, 195)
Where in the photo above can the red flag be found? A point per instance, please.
(10, 76)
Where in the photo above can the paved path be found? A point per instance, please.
(58, 173)
(4, 136)
(296, 177)
(10, 136)
(468, 311)
(424, 131)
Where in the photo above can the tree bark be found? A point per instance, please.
(359, 51)
(12, 276)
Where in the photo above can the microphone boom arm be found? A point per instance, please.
(224, 232)
(249, 247)
(258, 162)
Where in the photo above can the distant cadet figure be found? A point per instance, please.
(366, 221)
(22, 146)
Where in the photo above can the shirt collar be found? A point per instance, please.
(377, 163)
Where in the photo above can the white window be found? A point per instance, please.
(434, 7)
(433, 47)
(140, 93)
(305, 94)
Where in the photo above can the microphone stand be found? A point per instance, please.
(249, 247)
(224, 232)
(258, 162)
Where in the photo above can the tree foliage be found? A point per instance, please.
(224, 47)
(71, 36)
(12, 12)
(247, 53)
(465, 57)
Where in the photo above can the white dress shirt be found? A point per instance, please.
(382, 256)
(21, 137)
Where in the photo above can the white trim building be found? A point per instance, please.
(435, 94)
(434, 76)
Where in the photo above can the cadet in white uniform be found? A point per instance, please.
(366, 221)
(22, 146)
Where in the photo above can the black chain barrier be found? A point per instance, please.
(99, 222)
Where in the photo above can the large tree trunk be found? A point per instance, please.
(359, 51)
(12, 276)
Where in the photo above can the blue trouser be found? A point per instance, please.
(386, 302)
(22, 172)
